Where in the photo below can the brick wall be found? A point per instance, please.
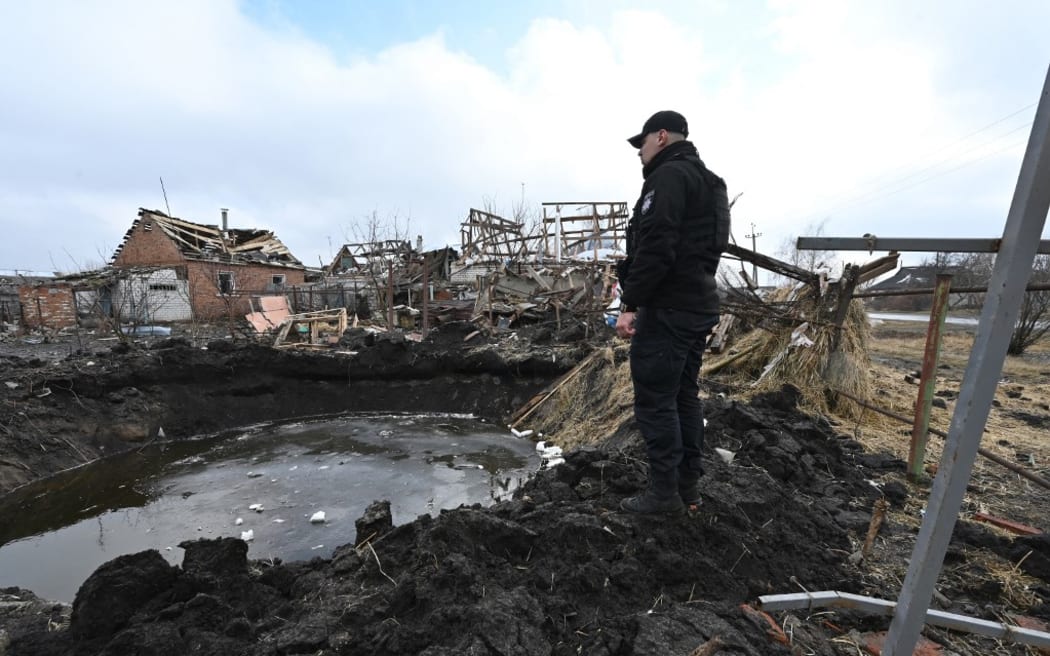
(48, 306)
(148, 245)
(248, 280)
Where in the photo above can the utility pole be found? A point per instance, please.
(754, 249)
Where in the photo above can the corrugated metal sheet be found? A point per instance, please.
(468, 275)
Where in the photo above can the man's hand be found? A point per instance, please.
(625, 325)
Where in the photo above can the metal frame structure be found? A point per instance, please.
(1013, 265)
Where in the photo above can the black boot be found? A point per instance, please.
(662, 498)
(651, 503)
(689, 492)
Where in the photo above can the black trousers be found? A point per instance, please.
(666, 351)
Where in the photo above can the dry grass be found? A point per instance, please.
(1016, 428)
(764, 360)
(593, 405)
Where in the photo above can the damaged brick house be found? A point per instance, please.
(220, 268)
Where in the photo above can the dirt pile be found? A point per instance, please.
(557, 570)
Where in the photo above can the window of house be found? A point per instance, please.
(163, 287)
(277, 281)
(225, 282)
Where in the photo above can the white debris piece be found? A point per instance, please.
(323, 467)
(554, 462)
(278, 521)
(252, 474)
(524, 433)
(257, 507)
(238, 521)
(248, 535)
(317, 517)
(160, 433)
(11, 385)
(726, 455)
(549, 452)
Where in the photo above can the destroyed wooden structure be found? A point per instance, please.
(583, 231)
(312, 329)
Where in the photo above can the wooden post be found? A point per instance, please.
(426, 295)
(390, 296)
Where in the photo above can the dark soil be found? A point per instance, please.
(557, 570)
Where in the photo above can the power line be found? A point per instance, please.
(876, 193)
(844, 200)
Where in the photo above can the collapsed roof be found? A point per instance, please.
(208, 242)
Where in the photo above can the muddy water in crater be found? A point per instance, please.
(54, 533)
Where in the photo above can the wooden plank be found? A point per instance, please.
(876, 268)
(718, 340)
(524, 411)
(772, 264)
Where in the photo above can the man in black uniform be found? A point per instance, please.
(669, 304)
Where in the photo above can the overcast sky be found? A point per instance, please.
(896, 118)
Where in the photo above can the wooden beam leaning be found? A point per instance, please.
(772, 264)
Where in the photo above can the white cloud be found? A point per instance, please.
(801, 105)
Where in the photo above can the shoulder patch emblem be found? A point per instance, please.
(647, 202)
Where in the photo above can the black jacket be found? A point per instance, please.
(672, 254)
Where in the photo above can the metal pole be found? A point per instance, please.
(754, 249)
(953, 621)
(928, 380)
(927, 291)
(913, 244)
(1013, 267)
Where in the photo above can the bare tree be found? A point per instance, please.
(968, 270)
(383, 240)
(1034, 320)
(810, 260)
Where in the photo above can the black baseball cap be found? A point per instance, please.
(665, 120)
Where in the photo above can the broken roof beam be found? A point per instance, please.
(876, 268)
(772, 264)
